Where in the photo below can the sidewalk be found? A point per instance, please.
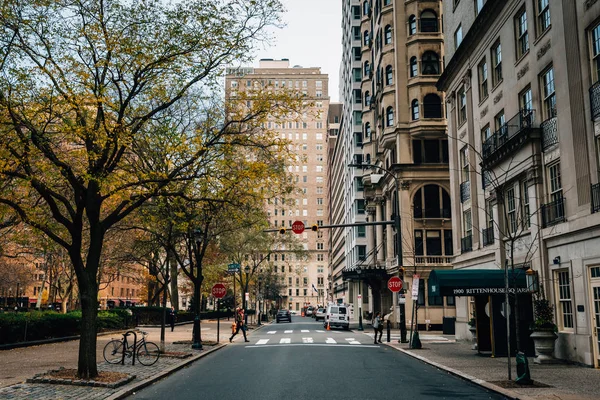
(18, 365)
(564, 381)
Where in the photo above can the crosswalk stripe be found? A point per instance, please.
(352, 341)
(320, 331)
(330, 340)
(307, 340)
(304, 331)
(285, 340)
(271, 332)
(288, 331)
(263, 341)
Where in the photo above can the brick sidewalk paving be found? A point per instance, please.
(565, 381)
(20, 364)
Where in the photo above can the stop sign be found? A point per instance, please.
(395, 284)
(298, 227)
(219, 290)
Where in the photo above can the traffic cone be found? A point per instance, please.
(328, 327)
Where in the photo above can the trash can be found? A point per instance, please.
(448, 327)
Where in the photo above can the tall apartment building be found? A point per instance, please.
(347, 204)
(305, 280)
(522, 79)
(403, 154)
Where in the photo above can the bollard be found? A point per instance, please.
(389, 330)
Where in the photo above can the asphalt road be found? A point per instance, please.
(302, 360)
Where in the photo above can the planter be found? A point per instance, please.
(473, 331)
(543, 342)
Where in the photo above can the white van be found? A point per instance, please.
(337, 315)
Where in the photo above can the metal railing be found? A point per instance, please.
(524, 119)
(466, 244)
(432, 260)
(595, 100)
(553, 212)
(487, 236)
(596, 197)
(549, 131)
(465, 191)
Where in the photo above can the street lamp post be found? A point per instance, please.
(398, 227)
(258, 309)
(360, 324)
(197, 342)
(244, 301)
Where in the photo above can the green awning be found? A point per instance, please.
(473, 282)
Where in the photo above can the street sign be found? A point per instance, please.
(415, 287)
(298, 227)
(234, 267)
(395, 284)
(359, 297)
(219, 290)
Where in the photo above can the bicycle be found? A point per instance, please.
(147, 353)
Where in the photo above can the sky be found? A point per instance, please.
(312, 37)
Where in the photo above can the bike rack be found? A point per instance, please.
(125, 346)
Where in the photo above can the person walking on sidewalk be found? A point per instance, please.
(239, 324)
(172, 318)
(377, 327)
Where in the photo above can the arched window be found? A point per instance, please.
(388, 34)
(389, 75)
(367, 69)
(432, 106)
(414, 70)
(368, 158)
(431, 201)
(429, 21)
(366, 8)
(389, 116)
(412, 25)
(430, 63)
(366, 38)
(367, 99)
(414, 108)
(367, 130)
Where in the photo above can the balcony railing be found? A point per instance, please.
(523, 120)
(596, 197)
(549, 131)
(595, 100)
(466, 244)
(465, 191)
(432, 260)
(487, 235)
(553, 212)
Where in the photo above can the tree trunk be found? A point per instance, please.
(86, 366)
(174, 287)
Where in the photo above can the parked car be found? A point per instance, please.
(309, 311)
(320, 313)
(337, 315)
(284, 315)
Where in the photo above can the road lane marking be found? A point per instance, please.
(285, 340)
(263, 341)
(271, 332)
(304, 331)
(288, 331)
(352, 341)
(307, 340)
(373, 346)
(318, 331)
(330, 340)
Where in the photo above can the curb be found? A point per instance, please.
(480, 382)
(148, 381)
(12, 346)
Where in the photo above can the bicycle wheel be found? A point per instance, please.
(147, 353)
(113, 351)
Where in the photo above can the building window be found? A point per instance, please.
(389, 115)
(415, 109)
(361, 231)
(485, 133)
(412, 25)
(367, 130)
(366, 8)
(499, 121)
(467, 223)
(478, 6)
(367, 69)
(511, 211)
(414, 67)
(431, 201)
(388, 34)
(464, 164)
(421, 297)
(367, 99)
(458, 37)
(482, 72)
(564, 300)
(389, 75)
(496, 63)
(526, 100)
(555, 184)
(430, 63)
(525, 203)
(429, 21)
(549, 94)
(543, 16)
(432, 106)
(462, 106)
(522, 36)
(596, 53)
(366, 38)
